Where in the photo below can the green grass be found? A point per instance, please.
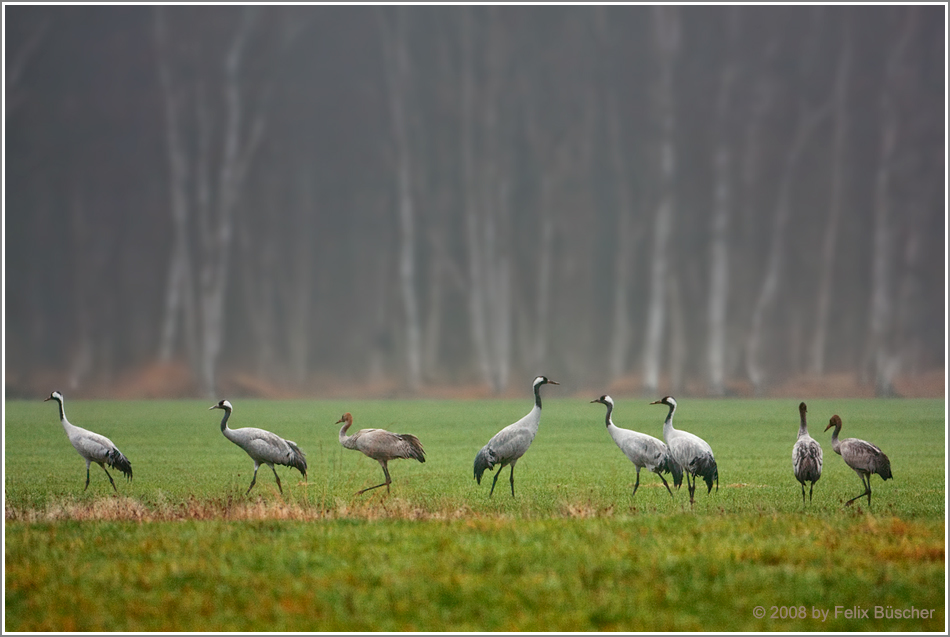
(181, 548)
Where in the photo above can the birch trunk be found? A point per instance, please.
(808, 122)
(397, 72)
(667, 34)
(829, 245)
(879, 352)
(721, 217)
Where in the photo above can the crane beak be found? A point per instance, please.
(213, 407)
(338, 421)
(656, 402)
(553, 382)
(829, 426)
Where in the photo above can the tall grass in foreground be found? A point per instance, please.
(573, 550)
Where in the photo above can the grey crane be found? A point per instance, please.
(806, 456)
(93, 447)
(866, 459)
(690, 452)
(263, 447)
(380, 445)
(509, 444)
(643, 450)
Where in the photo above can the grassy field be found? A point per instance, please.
(182, 549)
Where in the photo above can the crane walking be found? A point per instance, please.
(806, 456)
(690, 452)
(382, 446)
(866, 459)
(93, 447)
(263, 447)
(509, 444)
(642, 450)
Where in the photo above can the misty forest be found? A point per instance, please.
(708, 200)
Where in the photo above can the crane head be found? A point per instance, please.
(834, 422)
(347, 417)
(223, 404)
(544, 380)
(802, 409)
(604, 400)
(669, 401)
(54, 396)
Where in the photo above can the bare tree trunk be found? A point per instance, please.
(667, 34)
(215, 200)
(621, 333)
(826, 273)
(885, 363)
(721, 216)
(397, 72)
(808, 122)
(179, 291)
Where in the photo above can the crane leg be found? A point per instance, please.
(691, 486)
(384, 484)
(810, 489)
(110, 478)
(637, 485)
(665, 484)
(498, 473)
(511, 479)
(87, 476)
(278, 479)
(253, 480)
(803, 493)
(867, 491)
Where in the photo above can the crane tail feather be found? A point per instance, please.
(414, 448)
(117, 460)
(298, 459)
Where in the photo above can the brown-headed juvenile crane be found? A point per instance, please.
(806, 456)
(263, 447)
(690, 452)
(642, 450)
(93, 447)
(866, 459)
(380, 445)
(509, 444)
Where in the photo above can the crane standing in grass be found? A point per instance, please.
(866, 459)
(263, 447)
(806, 456)
(642, 450)
(690, 452)
(509, 444)
(380, 445)
(93, 447)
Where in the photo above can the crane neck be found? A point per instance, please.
(835, 444)
(803, 428)
(537, 395)
(668, 423)
(610, 409)
(62, 415)
(224, 421)
(347, 423)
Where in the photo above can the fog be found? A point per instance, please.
(297, 200)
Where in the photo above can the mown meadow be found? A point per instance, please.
(181, 548)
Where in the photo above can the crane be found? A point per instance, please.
(642, 450)
(263, 447)
(866, 459)
(380, 445)
(690, 452)
(93, 447)
(806, 456)
(509, 444)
